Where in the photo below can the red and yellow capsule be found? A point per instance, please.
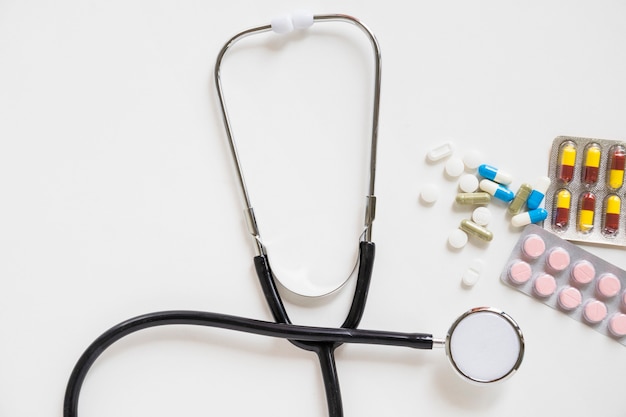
(617, 161)
(567, 159)
(612, 208)
(592, 164)
(560, 219)
(586, 210)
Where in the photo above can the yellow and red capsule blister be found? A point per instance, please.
(586, 212)
(560, 219)
(567, 160)
(612, 209)
(591, 168)
(617, 162)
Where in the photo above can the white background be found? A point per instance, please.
(118, 197)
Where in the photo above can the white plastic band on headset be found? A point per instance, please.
(302, 19)
(282, 24)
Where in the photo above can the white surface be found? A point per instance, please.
(118, 197)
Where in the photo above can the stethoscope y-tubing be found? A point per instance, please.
(319, 335)
(325, 351)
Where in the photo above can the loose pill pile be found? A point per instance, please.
(569, 279)
(478, 184)
(585, 198)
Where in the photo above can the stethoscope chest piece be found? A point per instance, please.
(485, 345)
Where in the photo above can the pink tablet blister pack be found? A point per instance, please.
(569, 279)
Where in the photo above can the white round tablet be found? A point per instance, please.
(457, 239)
(481, 216)
(468, 183)
(472, 159)
(485, 345)
(429, 193)
(454, 166)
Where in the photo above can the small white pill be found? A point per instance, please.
(429, 193)
(454, 166)
(481, 216)
(302, 19)
(472, 274)
(472, 159)
(468, 183)
(440, 152)
(457, 239)
(282, 24)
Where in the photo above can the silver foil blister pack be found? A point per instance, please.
(566, 277)
(585, 200)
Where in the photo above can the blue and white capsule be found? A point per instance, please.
(538, 193)
(494, 174)
(528, 217)
(497, 190)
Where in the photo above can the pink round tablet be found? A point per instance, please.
(558, 259)
(617, 324)
(519, 272)
(608, 285)
(544, 285)
(583, 272)
(533, 246)
(595, 311)
(570, 298)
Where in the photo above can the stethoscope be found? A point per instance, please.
(483, 345)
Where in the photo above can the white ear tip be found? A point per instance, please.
(282, 24)
(302, 19)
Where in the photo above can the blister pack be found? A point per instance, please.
(584, 200)
(568, 278)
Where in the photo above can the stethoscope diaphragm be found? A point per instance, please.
(485, 345)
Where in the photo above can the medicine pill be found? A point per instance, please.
(569, 298)
(595, 311)
(472, 274)
(544, 285)
(567, 160)
(528, 217)
(560, 219)
(558, 259)
(608, 285)
(481, 216)
(440, 152)
(568, 278)
(457, 239)
(520, 199)
(473, 198)
(533, 246)
(472, 159)
(617, 162)
(586, 212)
(617, 324)
(429, 193)
(519, 272)
(494, 174)
(468, 183)
(591, 167)
(497, 190)
(476, 230)
(540, 187)
(454, 166)
(583, 272)
(612, 209)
